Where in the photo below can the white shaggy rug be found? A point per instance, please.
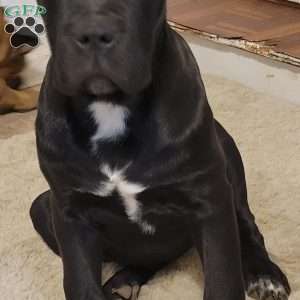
(268, 134)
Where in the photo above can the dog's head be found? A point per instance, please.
(101, 47)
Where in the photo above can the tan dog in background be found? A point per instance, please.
(12, 62)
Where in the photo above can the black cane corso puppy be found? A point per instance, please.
(138, 168)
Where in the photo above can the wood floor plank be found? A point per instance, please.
(252, 20)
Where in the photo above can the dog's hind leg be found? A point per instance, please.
(41, 217)
(263, 279)
(126, 283)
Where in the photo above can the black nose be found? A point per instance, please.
(102, 39)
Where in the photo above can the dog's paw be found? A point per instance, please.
(124, 292)
(122, 286)
(264, 279)
(24, 32)
(267, 289)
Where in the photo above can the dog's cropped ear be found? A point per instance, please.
(49, 18)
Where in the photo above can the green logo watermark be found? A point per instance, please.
(25, 25)
(25, 10)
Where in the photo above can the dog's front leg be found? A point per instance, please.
(80, 249)
(217, 241)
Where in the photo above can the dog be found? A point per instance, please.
(138, 168)
(12, 62)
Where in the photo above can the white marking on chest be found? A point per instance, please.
(110, 120)
(128, 192)
(126, 189)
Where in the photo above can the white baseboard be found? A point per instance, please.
(262, 74)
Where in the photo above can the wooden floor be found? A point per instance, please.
(276, 25)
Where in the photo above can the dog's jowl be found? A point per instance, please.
(138, 168)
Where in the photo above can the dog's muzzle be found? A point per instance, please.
(100, 87)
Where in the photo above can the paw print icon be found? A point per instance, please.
(24, 31)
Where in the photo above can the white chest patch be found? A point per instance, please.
(110, 120)
(128, 192)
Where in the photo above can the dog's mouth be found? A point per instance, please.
(101, 88)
